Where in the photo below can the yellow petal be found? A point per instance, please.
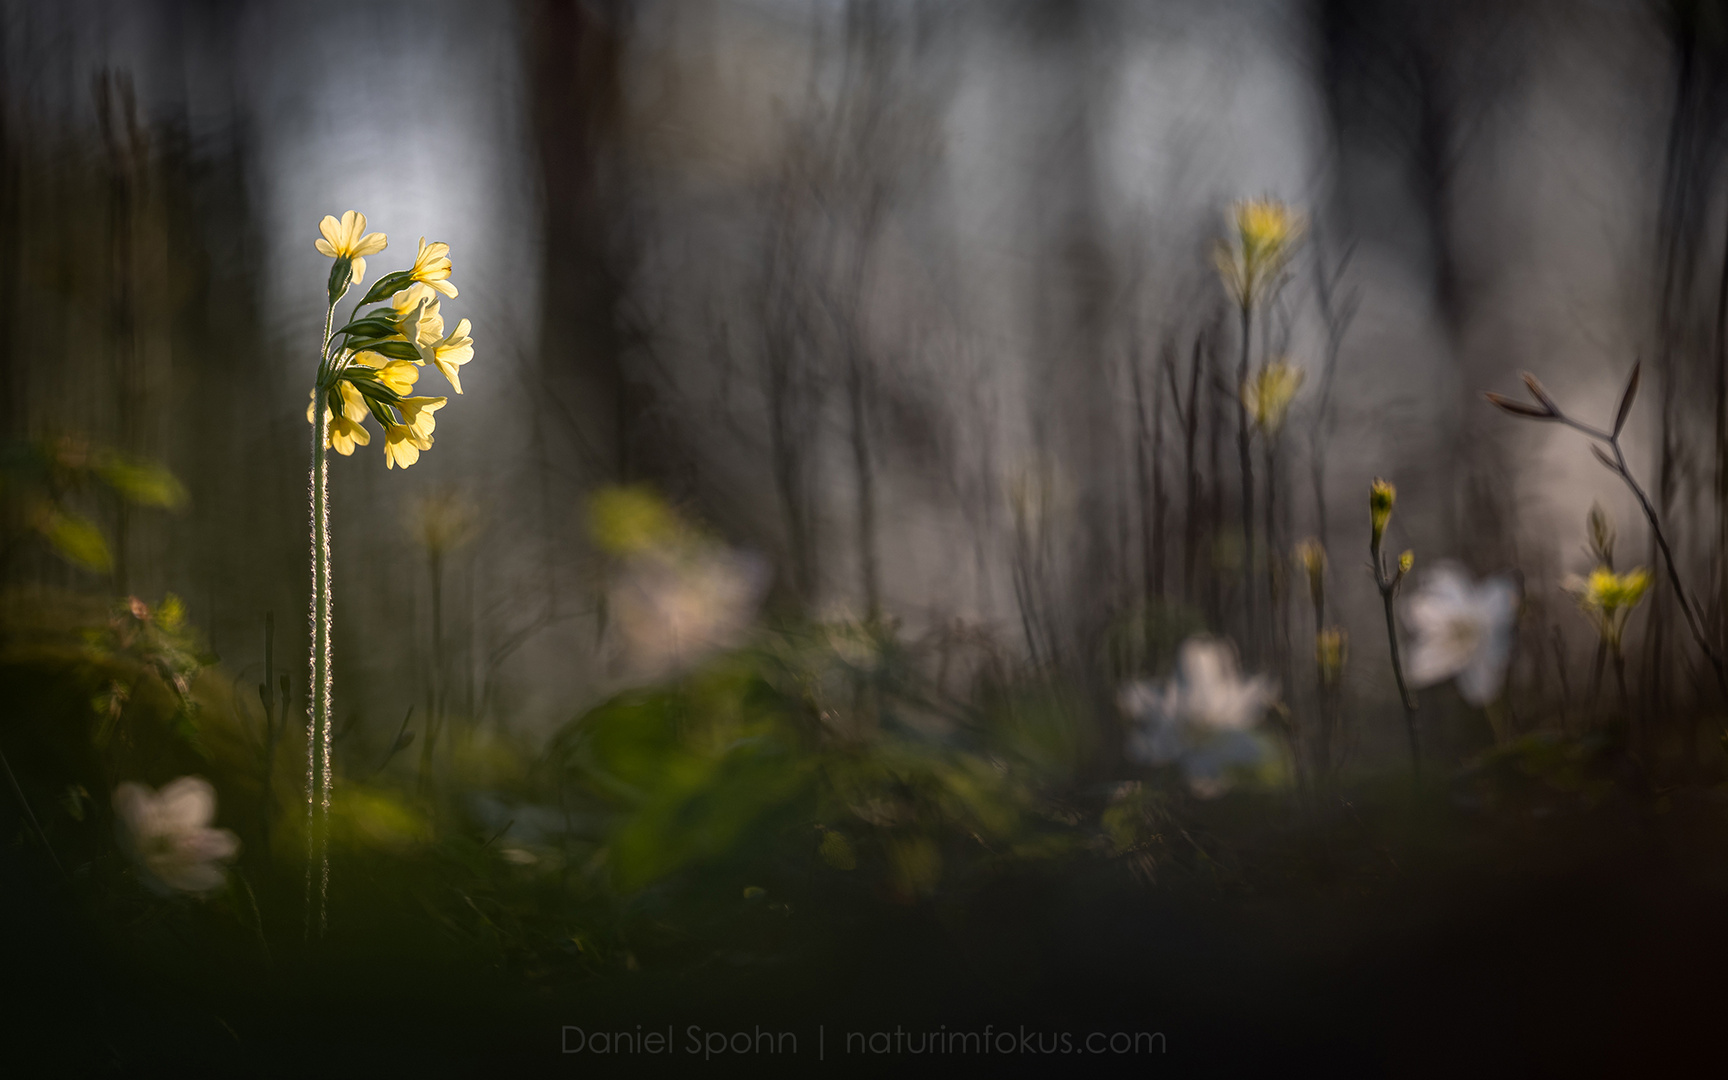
(371, 244)
(324, 247)
(450, 372)
(353, 224)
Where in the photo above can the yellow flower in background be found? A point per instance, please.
(402, 445)
(417, 413)
(1266, 226)
(1608, 598)
(348, 239)
(432, 267)
(1331, 648)
(1266, 230)
(1269, 392)
(631, 520)
(452, 352)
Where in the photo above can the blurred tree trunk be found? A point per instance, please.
(595, 402)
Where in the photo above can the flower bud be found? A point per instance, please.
(1330, 648)
(1381, 496)
(1312, 558)
(1406, 561)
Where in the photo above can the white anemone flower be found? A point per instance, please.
(1463, 630)
(671, 610)
(167, 833)
(1202, 719)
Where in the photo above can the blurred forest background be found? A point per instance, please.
(908, 313)
(909, 297)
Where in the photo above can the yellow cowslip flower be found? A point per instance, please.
(1269, 392)
(345, 434)
(452, 352)
(346, 431)
(402, 445)
(417, 413)
(432, 267)
(398, 375)
(348, 239)
(416, 315)
(1608, 598)
(1266, 230)
(1381, 496)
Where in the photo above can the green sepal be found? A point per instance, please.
(397, 350)
(370, 326)
(370, 387)
(341, 276)
(387, 285)
(371, 343)
(380, 412)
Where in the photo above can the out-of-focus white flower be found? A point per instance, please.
(1202, 719)
(167, 833)
(1463, 629)
(672, 609)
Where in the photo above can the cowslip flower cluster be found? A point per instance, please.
(370, 364)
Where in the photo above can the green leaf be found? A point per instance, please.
(78, 541)
(142, 482)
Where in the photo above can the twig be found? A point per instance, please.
(1546, 409)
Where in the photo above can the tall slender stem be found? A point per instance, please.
(1388, 585)
(319, 700)
(1246, 457)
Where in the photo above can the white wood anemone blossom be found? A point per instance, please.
(1462, 630)
(167, 835)
(1202, 719)
(672, 609)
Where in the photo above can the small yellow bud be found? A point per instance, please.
(1381, 496)
(1331, 645)
(1311, 557)
(1406, 561)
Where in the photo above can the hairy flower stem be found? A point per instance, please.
(1388, 585)
(1246, 457)
(318, 703)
